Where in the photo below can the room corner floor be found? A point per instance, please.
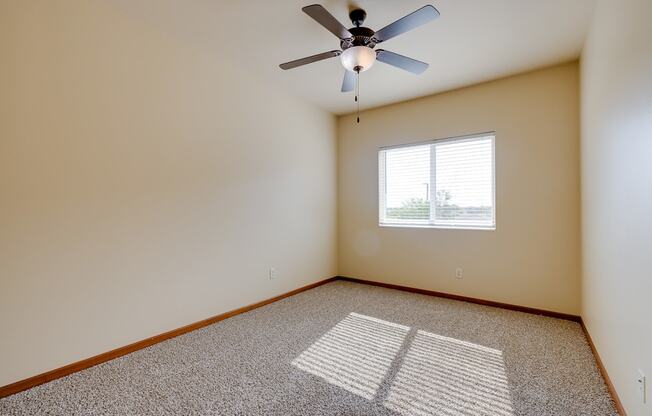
(345, 349)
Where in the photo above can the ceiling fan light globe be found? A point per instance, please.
(358, 58)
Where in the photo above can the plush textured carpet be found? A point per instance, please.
(345, 349)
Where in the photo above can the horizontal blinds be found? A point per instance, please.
(407, 181)
(448, 183)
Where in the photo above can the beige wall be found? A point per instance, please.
(144, 185)
(617, 193)
(533, 256)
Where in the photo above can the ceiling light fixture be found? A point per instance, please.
(358, 58)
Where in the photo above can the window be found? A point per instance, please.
(442, 184)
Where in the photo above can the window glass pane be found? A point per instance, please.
(407, 183)
(464, 182)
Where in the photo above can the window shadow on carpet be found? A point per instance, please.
(409, 371)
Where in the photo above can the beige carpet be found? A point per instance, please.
(345, 349)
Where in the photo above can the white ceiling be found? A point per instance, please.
(472, 41)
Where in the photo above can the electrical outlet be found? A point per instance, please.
(642, 386)
(459, 273)
(272, 273)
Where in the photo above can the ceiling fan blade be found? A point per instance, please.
(409, 22)
(348, 84)
(400, 61)
(327, 20)
(310, 59)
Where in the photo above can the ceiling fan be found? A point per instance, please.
(358, 43)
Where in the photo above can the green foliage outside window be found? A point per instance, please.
(419, 209)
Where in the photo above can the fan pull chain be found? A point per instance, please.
(357, 93)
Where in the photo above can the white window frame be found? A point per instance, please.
(432, 223)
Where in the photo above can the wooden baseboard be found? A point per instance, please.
(118, 352)
(603, 371)
(525, 309)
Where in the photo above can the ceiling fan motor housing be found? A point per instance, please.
(362, 36)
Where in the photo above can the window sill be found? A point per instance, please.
(440, 227)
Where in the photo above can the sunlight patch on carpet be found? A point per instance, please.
(447, 376)
(355, 354)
